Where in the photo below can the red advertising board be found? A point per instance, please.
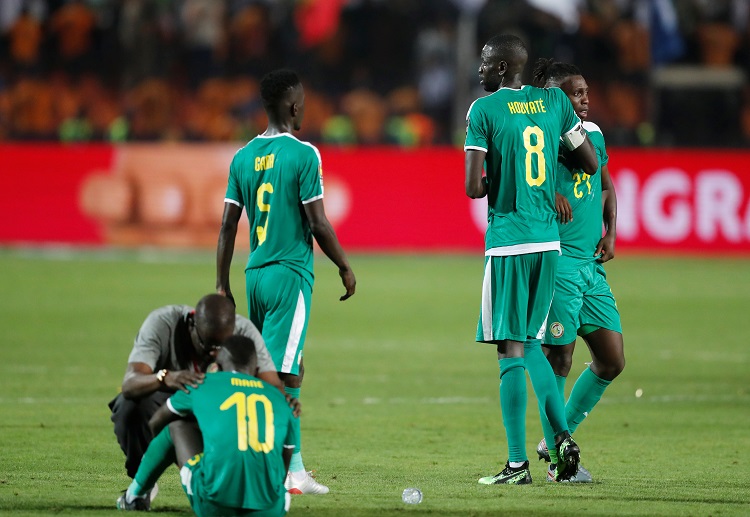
(682, 200)
(379, 199)
(40, 190)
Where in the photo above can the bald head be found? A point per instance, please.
(214, 315)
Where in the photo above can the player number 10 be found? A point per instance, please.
(247, 421)
(531, 150)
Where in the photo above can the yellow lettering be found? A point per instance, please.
(264, 162)
(246, 383)
(523, 108)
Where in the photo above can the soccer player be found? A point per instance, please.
(583, 304)
(235, 460)
(173, 347)
(279, 181)
(516, 131)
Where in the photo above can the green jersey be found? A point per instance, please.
(579, 237)
(520, 131)
(272, 177)
(245, 425)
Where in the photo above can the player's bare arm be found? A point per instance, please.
(140, 380)
(272, 377)
(606, 246)
(475, 183)
(161, 419)
(564, 210)
(225, 248)
(585, 156)
(326, 238)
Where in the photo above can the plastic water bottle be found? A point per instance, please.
(412, 496)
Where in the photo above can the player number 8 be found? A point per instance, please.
(535, 149)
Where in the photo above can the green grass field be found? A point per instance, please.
(397, 394)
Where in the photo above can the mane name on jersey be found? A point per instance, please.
(524, 108)
(264, 162)
(246, 383)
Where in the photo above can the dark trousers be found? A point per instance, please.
(131, 425)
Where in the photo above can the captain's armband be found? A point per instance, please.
(575, 137)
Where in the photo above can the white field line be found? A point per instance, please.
(144, 255)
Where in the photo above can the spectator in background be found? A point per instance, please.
(203, 38)
(72, 28)
(144, 44)
(437, 66)
(252, 49)
(25, 42)
(345, 47)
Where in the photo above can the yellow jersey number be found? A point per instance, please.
(247, 420)
(534, 150)
(581, 178)
(265, 208)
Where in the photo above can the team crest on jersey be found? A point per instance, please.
(556, 329)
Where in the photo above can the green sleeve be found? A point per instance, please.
(234, 192)
(476, 128)
(601, 150)
(181, 403)
(311, 177)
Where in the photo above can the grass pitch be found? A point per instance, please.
(397, 394)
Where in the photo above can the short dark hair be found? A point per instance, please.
(274, 85)
(507, 44)
(550, 70)
(241, 350)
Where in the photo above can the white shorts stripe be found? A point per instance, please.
(543, 330)
(295, 334)
(186, 477)
(487, 301)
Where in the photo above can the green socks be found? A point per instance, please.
(513, 405)
(296, 464)
(587, 391)
(158, 457)
(549, 434)
(551, 403)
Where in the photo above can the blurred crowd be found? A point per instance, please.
(375, 71)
